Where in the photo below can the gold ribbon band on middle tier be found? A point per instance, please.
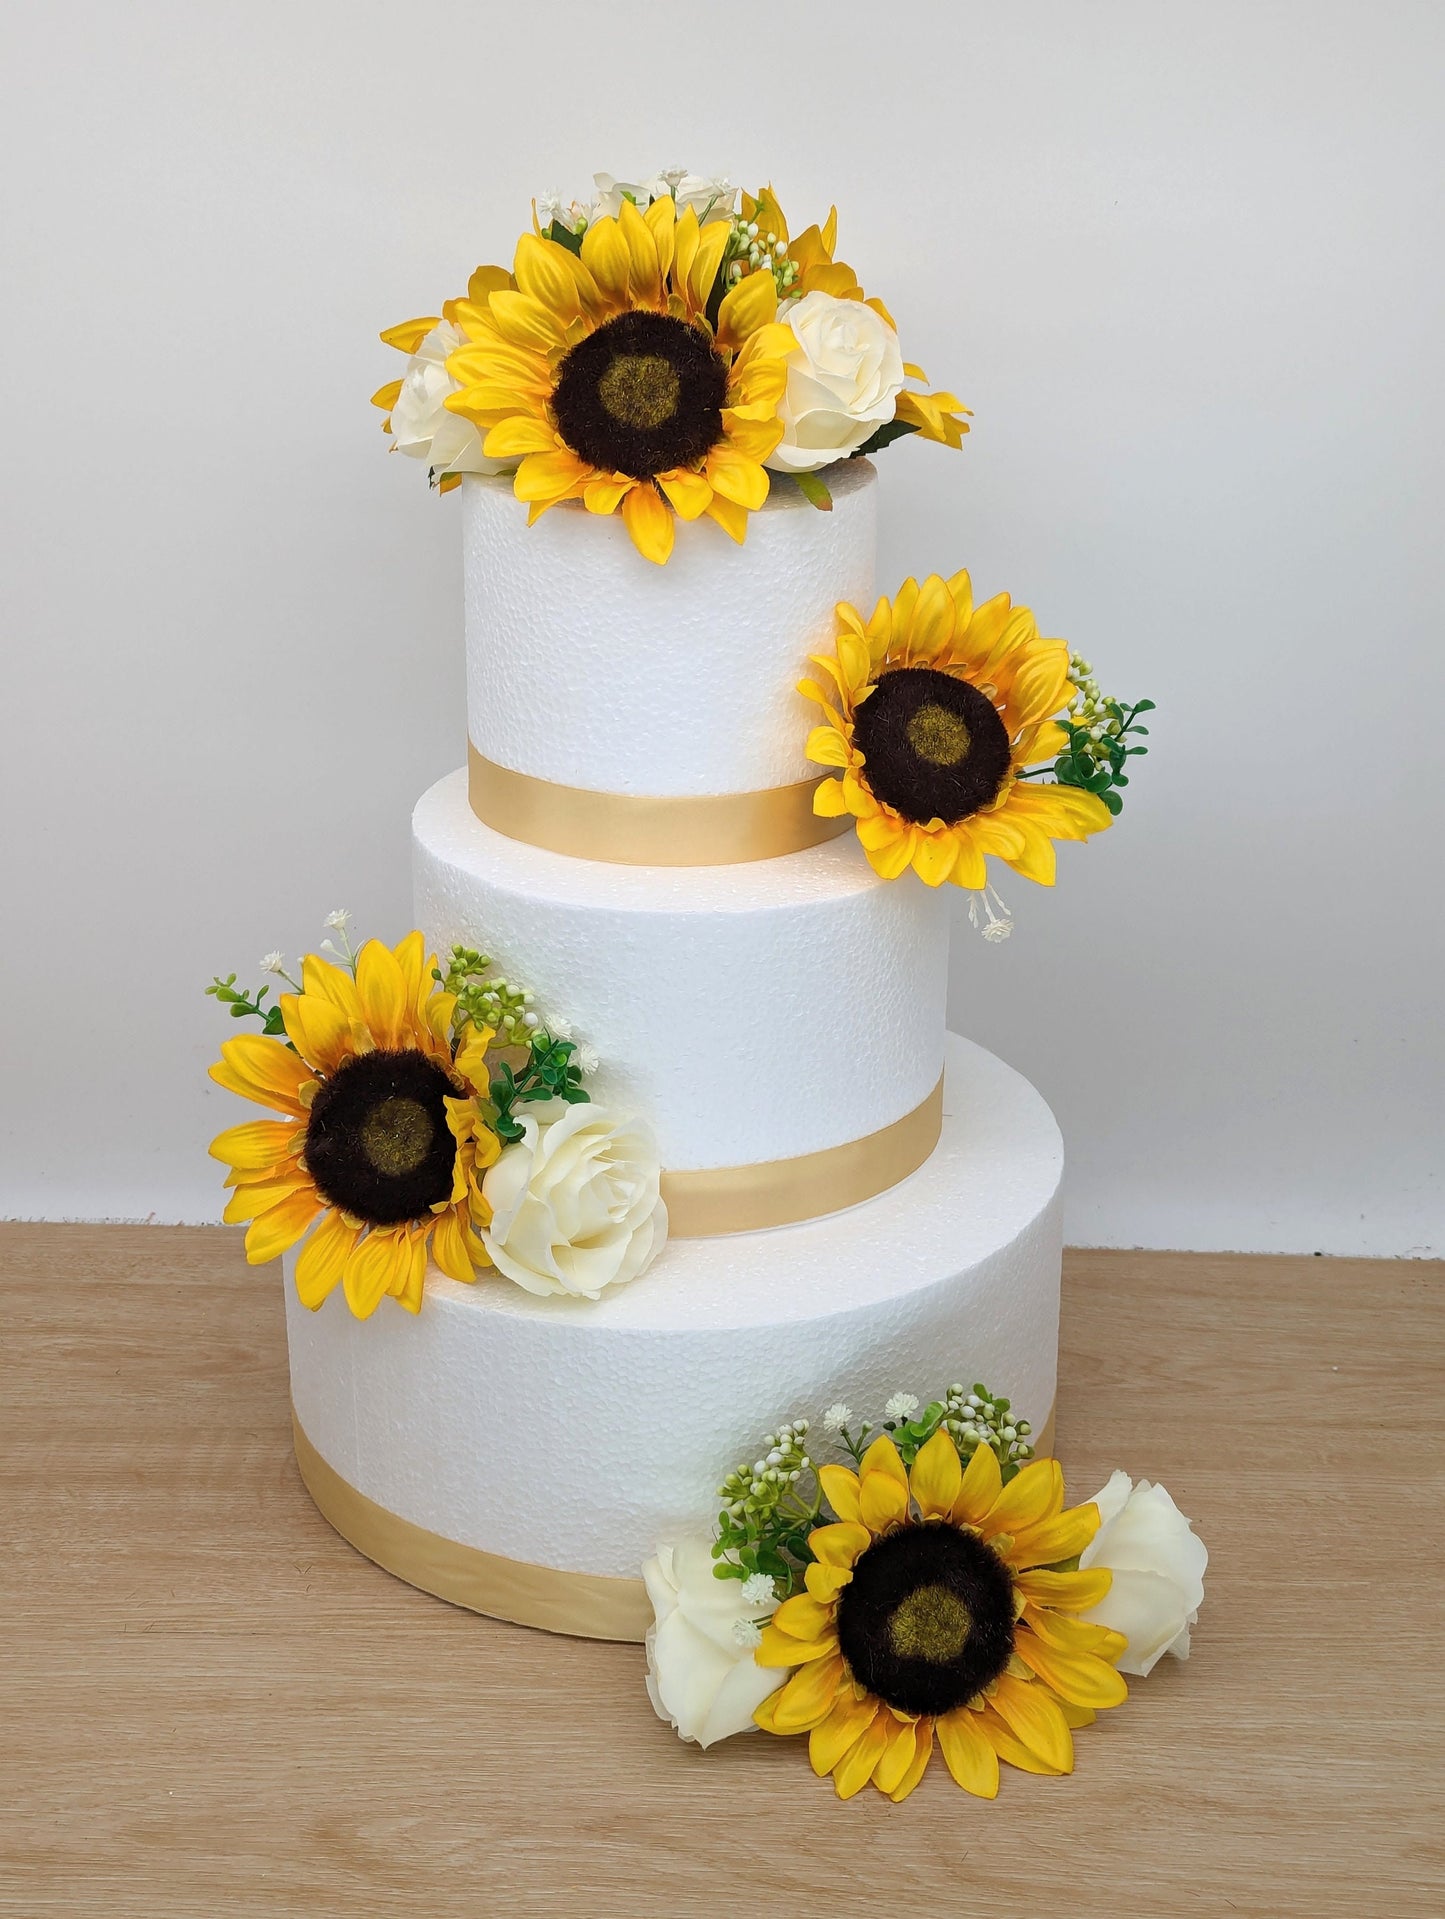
(781, 1192)
(629, 829)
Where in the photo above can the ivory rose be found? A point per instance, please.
(843, 379)
(701, 1675)
(575, 1202)
(421, 427)
(1158, 1566)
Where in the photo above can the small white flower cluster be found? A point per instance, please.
(710, 196)
(901, 1406)
(837, 1417)
(987, 1422)
(1089, 709)
(782, 1463)
(748, 249)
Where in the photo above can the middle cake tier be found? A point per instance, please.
(762, 1013)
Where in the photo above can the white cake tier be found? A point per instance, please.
(571, 1437)
(751, 1013)
(590, 667)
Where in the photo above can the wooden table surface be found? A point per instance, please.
(212, 1708)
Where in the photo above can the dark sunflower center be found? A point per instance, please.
(642, 394)
(377, 1141)
(935, 746)
(927, 1621)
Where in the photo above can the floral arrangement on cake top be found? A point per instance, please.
(426, 1114)
(659, 353)
(940, 715)
(935, 1590)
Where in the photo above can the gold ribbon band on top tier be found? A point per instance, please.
(626, 829)
(584, 1605)
(781, 1192)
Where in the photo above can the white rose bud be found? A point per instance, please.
(1158, 1566)
(843, 378)
(701, 1675)
(422, 428)
(575, 1202)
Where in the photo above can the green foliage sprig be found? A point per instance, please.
(248, 1005)
(772, 1505)
(485, 1001)
(550, 1071)
(1094, 759)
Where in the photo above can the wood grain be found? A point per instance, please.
(211, 1708)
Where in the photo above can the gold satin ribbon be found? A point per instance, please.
(780, 1192)
(623, 829)
(583, 1605)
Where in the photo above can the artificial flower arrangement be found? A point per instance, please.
(940, 715)
(936, 1590)
(426, 1114)
(659, 352)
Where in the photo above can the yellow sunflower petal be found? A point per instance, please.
(898, 1756)
(381, 989)
(542, 274)
(451, 1247)
(1063, 1537)
(935, 856)
(922, 1752)
(256, 1144)
(1072, 1592)
(825, 746)
(858, 1764)
(809, 1696)
(509, 439)
(882, 1502)
(763, 1716)
(545, 478)
(321, 980)
(323, 1259)
(803, 1617)
(649, 521)
(981, 1485)
(689, 492)
(826, 1582)
(936, 1477)
(410, 1278)
(1071, 1635)
(967, 1753)
(526, 322)
(264, 1070)
(1035, 1721)
(890, 853)
(281, 1225)
(644, 276)
(606, 257)
(1012, 1749)
(736, 477)
(372, 1267)
(408, 336)
(777, 1648)
(320, 1031)
(849, 1718)
(605, 492)
(732, 518)
(750, 304)
(1081, 1678)
(840, 1489)
(254, 1197)
(1031, 1496)
(829, 800)
(839, 1545)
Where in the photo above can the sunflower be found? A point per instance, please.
(936, 711)
(933, 416)
(383, 1141)
(601, 372)
(934, 1609)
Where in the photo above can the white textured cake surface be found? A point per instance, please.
(633, 1408)
(589, 666)
(750, 1012)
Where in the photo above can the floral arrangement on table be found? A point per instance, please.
(940, 715)
(659, 352)
(426, 1114)
(934, 1590)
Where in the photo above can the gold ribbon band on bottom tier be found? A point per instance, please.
(781, 1192)
(582, 1605)
(628, 829)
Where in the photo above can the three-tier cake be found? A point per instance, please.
(853, 1194)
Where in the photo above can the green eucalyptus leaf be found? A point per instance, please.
(884, 436)
(814, 490)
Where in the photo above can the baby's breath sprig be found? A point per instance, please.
(769, 1508)
(485, 1001)
(750, 247)
(1103, 734)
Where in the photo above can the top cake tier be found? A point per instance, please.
(588, 668)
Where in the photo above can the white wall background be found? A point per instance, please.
(1184, 261)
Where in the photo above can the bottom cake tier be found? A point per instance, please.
(523, 1456)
